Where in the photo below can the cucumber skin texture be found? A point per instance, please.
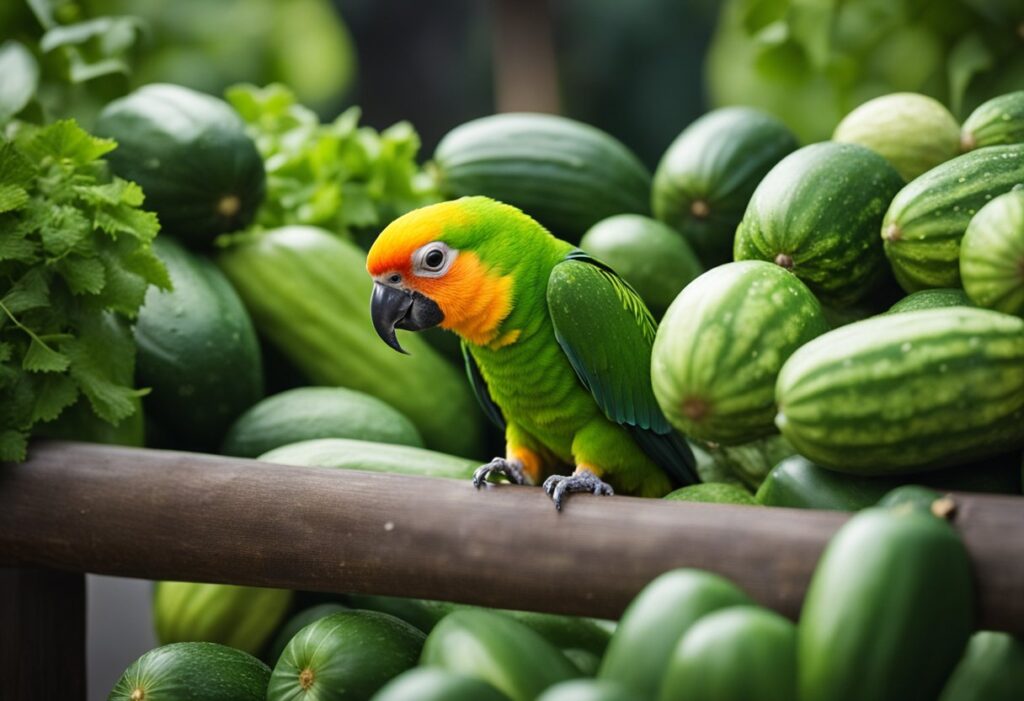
(433, 684)
(642, 644)
(719, 159)
(187, 150)
(907, 392)
(240, 617)
(874, 624)
(309, 413)
(498, 650)
(912, 496)
(565, 174)
(736, 654)
(351, 654)
(194, 672)
(992, 669)
(348, 454)
(197, 350)
(308, 293)
(926, 220)
(992, 255)
(296, 623)
(936, 298)
(822, 206)
(649, 255)
(998, 121)
(712, 493)
(720, 347)
(587, 690)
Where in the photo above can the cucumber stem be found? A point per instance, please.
(699, 209)
(138, 694)
(892, 232)
(306, 679)
(784, 260)
(228, 205)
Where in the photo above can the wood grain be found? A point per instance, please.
(167, 515)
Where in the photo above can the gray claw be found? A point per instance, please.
(511, 470)
(558, 486)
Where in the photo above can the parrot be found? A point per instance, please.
(557, 346)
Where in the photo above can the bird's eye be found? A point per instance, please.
(434, 259)
(395, 278)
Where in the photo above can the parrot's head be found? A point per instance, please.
(449, 264)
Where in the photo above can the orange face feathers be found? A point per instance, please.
(393, 249)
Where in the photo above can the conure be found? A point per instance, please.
(557, 346)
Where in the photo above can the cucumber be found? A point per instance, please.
(751, 462)
(875, 626)
(565, 632)
(296, 623)
(937, 298)
(647, 254)
(639, 651)
(347, 656)
(736, 654)
(926, 220)
(240, 617)
(565, 174)
(424, 614)
(347, 454)
(308, 293)
(908, 392)
(587, 690)
(193, 672)
(308, 413)
(914, 496)
(992, 669)
(712, 493)
(996, 122)
(498, 650)
(433, 684)
(708, 173)
(992, 255)
(818, 213)
(583, 660)
(197, 351)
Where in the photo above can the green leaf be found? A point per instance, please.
(6, 350)
(125, 289)
(18, 248)
(102, 363)
(66, 140)
(82, 71)
(82, 275)
(15, 169)
(20, 79)
(81, 32)
(12, 197)
(64, 229)
(53, 394)
(31, 291)
(124, 219)
(13, 445)
(969, 57)
(42, 358)
(117, 191)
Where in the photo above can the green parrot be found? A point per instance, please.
(557, 346)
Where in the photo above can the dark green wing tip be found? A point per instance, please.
(670, 452)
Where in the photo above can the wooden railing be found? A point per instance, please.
(75, 508)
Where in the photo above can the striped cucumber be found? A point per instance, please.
(995, 122)
(935, 298)
(907, 392)
(992, 669)
(992, 255)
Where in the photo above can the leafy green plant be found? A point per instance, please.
(75, 262)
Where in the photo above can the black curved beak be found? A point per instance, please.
(391, 309)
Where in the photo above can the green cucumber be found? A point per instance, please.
(308, 413)
(708, 173)
(914, 132)
(992, 255)
(584, 660)
(200, 171)
(647, 254)
(736, 654)
(639, 651)
(424, 614)
(565, 174)
(751, 462)
(712, 493)
(498, 650)
(936, 298)
(818, 213)
(926, 220)
(197, 351)
(992, 669)
(434, 684)
(193, 672)
(588, 690)
(347, 656)
(914, 496)
(907, 392)
(888, 611)
(996, 122)
(307, 291)
(565, 632)
(720, 347)
(348, 454)
(296, 623)
(240, 617)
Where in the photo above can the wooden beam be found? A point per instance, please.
(167, 515)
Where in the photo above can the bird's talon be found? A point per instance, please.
(559, 486)
(512, 470)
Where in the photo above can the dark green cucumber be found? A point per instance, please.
(907, 392)
(347, 656)
(996, 122)
(992, 255)
(296, 623)
(588, 690)
(707, 175)
(193, 672)
(658, 616)
(736, 654)
(424, 614)
(565, 632)
(818, 213)
(197, 351)
(584, 660)
(888, 611)
(347, 454)
(434, 684)
(565, 174)
(914, 496)
(936, 298)
(927, 219)
(498, 650)
(712, 493)
(308, 413)
(992, 669)
(200, 171)
(648, 254)
(749, 462)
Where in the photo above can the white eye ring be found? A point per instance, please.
(425, 263)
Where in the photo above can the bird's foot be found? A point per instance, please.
(512, 470)
(558, 486)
